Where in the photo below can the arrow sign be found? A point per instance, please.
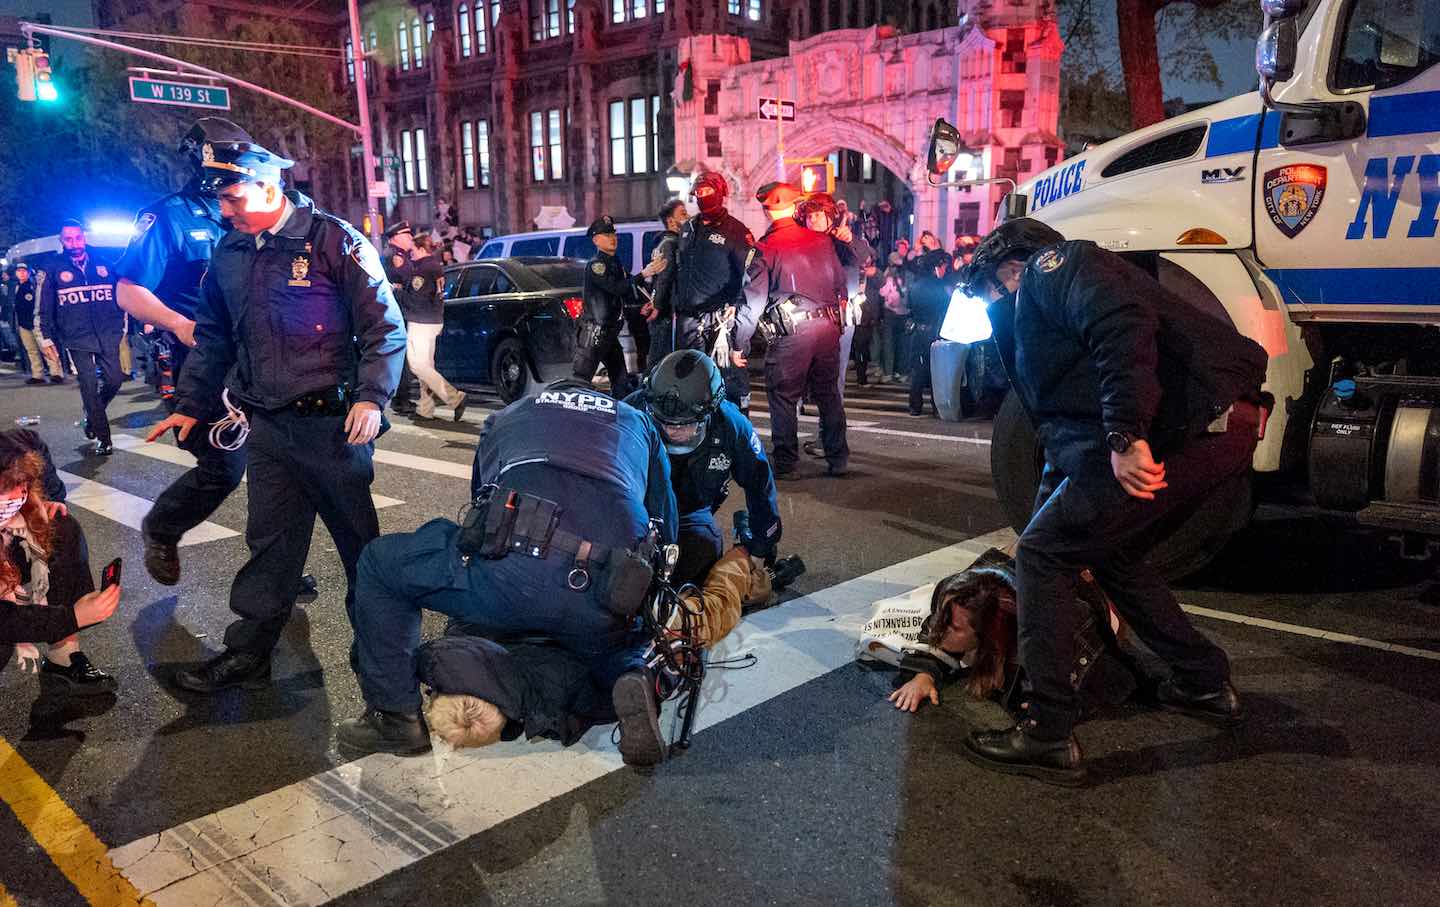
(777, 109)
(180, 94)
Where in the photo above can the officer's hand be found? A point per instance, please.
(362, 423)
(913, 694)
(1137, 472)
(185, 330)
(648, 310)
(655, 266)
(174, 420)
(738, 360)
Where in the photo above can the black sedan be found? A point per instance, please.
(510, 322)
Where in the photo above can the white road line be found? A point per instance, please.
(318, 839)
(1299, 630)
(164, 450)
(128, 509)
(424, 464)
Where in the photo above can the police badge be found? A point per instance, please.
(67, 276)
(102, 271)
(1292, 196)
(298, 269)
(598, 267)
(1049, 260)
(207, 153)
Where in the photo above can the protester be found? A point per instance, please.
(868, 320)
(895, 345)
(422, 302)
(660, 311)
(42, 357)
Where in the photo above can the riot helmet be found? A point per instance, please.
(1014, 240)
(680, 393)
(709, 189)
(818, 203)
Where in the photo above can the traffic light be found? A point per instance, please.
(33, 78)
(24, 74)
(818, 177)
(44, 83)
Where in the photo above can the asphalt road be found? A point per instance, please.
(804, 786)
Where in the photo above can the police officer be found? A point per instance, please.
(159, 284)
(660, 311)
(717, 261)
(805, 287)
(710, 442)
(297, 327)
(608, 289)
(40, 356)
(422, 302)
(1144, 405)
(400, 237)
(929, 299)
(566, 488)
(78, 311)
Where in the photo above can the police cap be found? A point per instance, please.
(1015, 239)
(602, 224)
(777, 195)
(223, 163)
(214, 130)
(400, 226)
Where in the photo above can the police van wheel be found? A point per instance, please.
(1016, 463)
(509, 370)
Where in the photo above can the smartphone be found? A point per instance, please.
(110, 576)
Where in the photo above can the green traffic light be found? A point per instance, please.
(45, 91)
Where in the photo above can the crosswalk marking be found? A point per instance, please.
(424, 464)
(171, 454)
(127, 509)
(320, 838)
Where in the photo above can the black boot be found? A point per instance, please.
(641, 742)
(79, 678)
(1222, 707)
(162, 561)
(1014, 752)
(228, 669)
(378, 731)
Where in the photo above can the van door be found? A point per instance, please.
(1347, 228)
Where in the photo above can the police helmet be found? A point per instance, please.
(712, 181)
(1015, 239)
(818, 203)
(680, 393)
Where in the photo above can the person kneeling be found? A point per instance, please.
(484, 691)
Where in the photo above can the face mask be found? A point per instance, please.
(11, 506)
(710, 203)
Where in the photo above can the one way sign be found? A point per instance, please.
(776, 109)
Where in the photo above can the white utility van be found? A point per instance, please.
(637, 240)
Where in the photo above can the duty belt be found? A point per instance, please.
(831, 312)
(334, 401)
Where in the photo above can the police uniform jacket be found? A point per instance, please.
(797, 262)
(715, 252)
(77, 305)
(663, 285)
(397, 270)
(1093, 345)
(731, 450)
(608, 288)
(171, 249)
(22, 295)
(423, 299)
(602, 460)
(929, 298)
(309, 311)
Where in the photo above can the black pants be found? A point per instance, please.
(662, 339)
(1110, 532)
(690, 334)
(806, 364)
(919, 370)
(300, 467)
(96, 394)
(860, 352)
(701, 545)
(191, 499)
(640, 334)
(606, 352)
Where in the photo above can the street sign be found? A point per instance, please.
(379, 189)
(182, 94)
(777, 109)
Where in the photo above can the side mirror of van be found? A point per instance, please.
(1275, 51)
(945, 147)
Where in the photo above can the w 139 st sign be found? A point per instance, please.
(182, 94)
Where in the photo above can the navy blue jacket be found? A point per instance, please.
(797, 261)
(77, 304)
(309, 311)
(712, 259)
(601, 460)
(174, 237)
(731, 450)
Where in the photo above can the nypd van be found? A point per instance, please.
(1305, 213)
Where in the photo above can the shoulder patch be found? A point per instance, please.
(1049, 260)
(750, 257)
(144, 222)
(598, 267)
(364, 255)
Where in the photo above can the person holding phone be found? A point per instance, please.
(46, 591)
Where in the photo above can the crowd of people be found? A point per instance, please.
(587, 575)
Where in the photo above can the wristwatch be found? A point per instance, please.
(1120, 441)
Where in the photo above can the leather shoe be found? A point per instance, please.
(308, 590)
(162, 561)
(103, 449)
(228, 669)
(813, 448)
(379, 731)
(837, 470)
(79, 678)
(85, 427)
(1014, 752)
(1222, 707)
(641, 742)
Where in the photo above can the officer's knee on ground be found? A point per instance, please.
(464, 721)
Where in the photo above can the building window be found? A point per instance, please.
(429, 28)
(557, 147)
(752, 10)
(634, 140)
(639, 136)
(712, 96)
(349, 60)
(417, 41)
(713, 148)
(462, 30)
(654, 132)
(537, 146)
(659, 7)
(407, 161)
(422, 167)
(867, 169)
(467, 155)
(482, 129)
(570, 17)
(733, 7)
(402, 45)
(544, 19)
(482, 29)
(494, 12)
(631, 10)
(618, 164)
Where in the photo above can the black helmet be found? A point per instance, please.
(215, 130)
(818, 203)
(680, 393)
(1015, 239)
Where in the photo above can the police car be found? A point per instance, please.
(1306, 213)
